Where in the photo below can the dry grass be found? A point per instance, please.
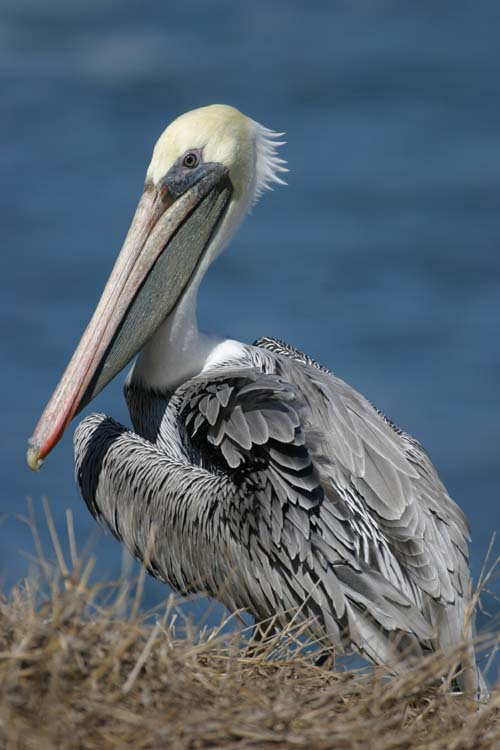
(76, 672)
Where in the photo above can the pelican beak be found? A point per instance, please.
(171, 229)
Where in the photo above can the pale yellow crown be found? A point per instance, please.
(228, 137)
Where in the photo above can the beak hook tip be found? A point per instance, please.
(33, 456)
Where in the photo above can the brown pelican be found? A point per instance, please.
(253, 473)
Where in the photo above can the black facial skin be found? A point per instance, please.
(186, 172)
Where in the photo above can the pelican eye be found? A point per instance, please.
(191, 160)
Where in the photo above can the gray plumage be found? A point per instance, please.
(275, 487)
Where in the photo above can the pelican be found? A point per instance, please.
(253, 473)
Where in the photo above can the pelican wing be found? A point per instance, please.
(296, 508)
(403, 521)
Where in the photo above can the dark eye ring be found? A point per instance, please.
(191, 160)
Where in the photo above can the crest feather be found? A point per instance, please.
(268, 165)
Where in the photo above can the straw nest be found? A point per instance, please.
(82, 667)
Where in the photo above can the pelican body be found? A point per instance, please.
(253, 473)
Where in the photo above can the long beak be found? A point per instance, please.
(163, 247)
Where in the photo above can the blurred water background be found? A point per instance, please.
(380, 259)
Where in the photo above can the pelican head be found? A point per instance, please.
(207, 169)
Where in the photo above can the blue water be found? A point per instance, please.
(381, 258)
